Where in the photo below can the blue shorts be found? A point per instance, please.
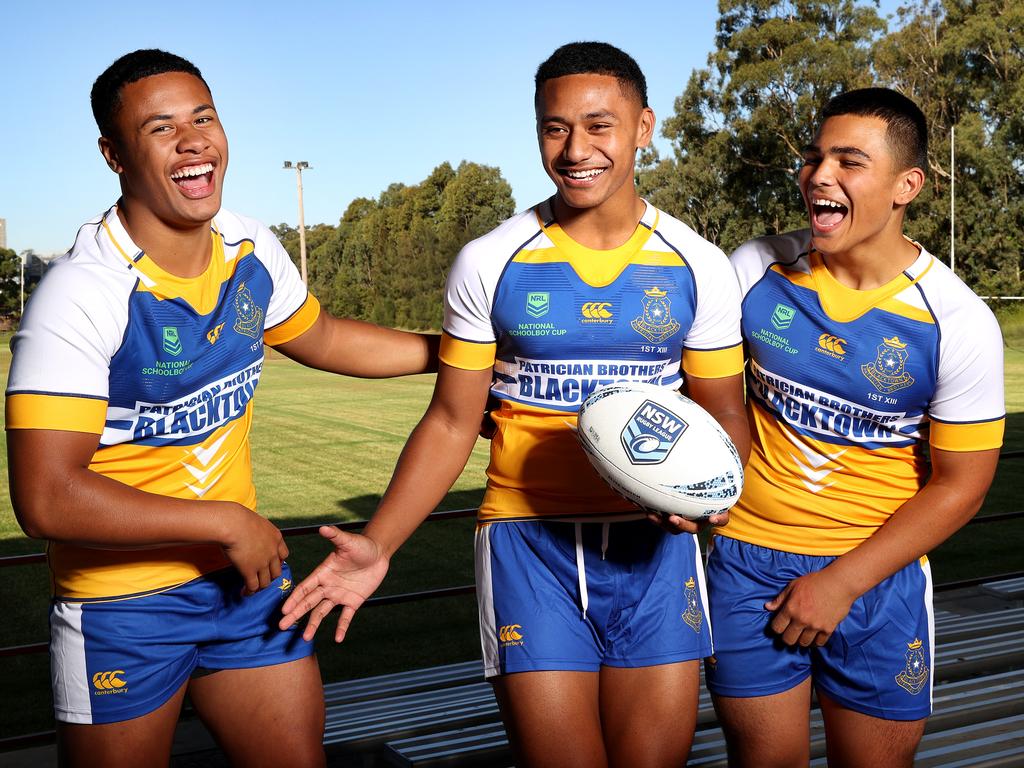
(579, 596)
(879, 661)
(119, 659)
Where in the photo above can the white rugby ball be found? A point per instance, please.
(660, 450)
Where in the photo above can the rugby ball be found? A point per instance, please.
(660, 450)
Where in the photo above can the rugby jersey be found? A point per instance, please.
(556, 320)
(164, 370)
(845, 387)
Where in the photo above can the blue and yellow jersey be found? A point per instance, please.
(164, 370)
(556, 320)
(845, 387)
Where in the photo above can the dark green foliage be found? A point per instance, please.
(10, 283)
(387, 260)
(739, 124)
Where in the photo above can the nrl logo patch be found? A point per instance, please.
(538, 304)
(172, 342)
(651, 433)
(782, 316)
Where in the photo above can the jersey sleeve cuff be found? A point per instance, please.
(68, 413)
(300, 321)
(467, 355)
(713, 363)
(977, 436)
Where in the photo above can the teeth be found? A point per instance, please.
(193, 170)
(589, 174)
(827, 203)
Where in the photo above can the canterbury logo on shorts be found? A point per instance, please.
(106, 681)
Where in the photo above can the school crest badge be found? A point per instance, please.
(249, 320)
(915, 674)
(692, 615)
(656, 323)
(887, 372)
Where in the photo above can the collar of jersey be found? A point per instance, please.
(844, 304)
(201, 291)
(595, 267)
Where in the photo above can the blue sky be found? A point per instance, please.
(368, 93)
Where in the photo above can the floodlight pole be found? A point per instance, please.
(21, 261)
(299, 167)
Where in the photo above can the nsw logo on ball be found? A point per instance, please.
(651, 433)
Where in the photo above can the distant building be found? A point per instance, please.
(3, 233)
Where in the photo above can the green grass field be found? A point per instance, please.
(323, 450)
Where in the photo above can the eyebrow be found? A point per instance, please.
(155, 118)
(599, 114)
(814, 149)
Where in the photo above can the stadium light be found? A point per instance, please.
(299, 167)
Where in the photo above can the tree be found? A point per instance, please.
(739, 125)
(10, 283)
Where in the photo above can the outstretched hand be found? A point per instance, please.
(347, 577)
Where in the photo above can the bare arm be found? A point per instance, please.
(57, 497)
(355, 348)
(433, 458)
(723, 399)
(810, 607)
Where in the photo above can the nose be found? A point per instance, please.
(822, 174)
(190, 138)
(577, 147)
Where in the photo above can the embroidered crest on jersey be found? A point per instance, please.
(538, 303)
(172, 342)
(888, 370)
(914, 676)
(656, 323)
(250, 316)
(692, 615)
(782, 316)
(651, 433)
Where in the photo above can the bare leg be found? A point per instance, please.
(552, 719)
(142, 742)
(265, 716)
(767, 731)
(855, 740)
(649, 714)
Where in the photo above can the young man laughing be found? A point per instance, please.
(591, 616)
(129, 404)
(864, 349)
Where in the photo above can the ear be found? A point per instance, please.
(645, 130)
(110, 154)
(909, 184)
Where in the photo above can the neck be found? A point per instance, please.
(182, 252)
(871, 264)
(603, 227)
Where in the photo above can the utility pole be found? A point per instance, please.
(299, 167)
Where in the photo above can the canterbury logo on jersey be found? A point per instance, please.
(831, 343)
(597, 310)
(192, 417)
(510, 634)
(109, 682)
(213, 335)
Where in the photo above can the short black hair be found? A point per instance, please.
(906, 126)
(106, 91)
(593, 59)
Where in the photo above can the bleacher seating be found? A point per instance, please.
(448, 716)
